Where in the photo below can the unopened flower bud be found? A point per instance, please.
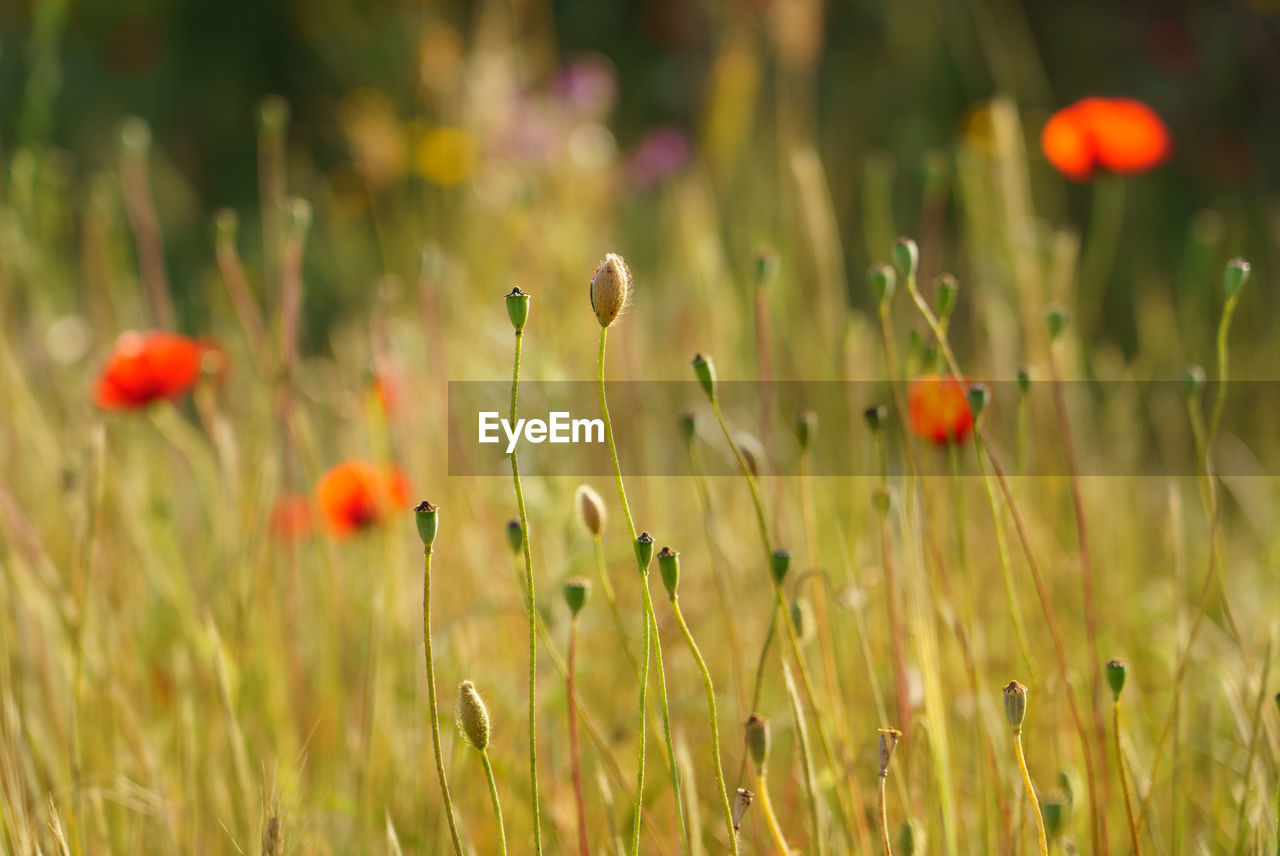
(1056, 318)
(705, 371)
(889, 738)
(780, 563)
(473, 716)
(688, 425)
(1054, 808)
(979, 396)
(910, 839)
(591, 509)
(1115, 677)
(806, 428)
(610, 289)
(1235, 276)
(875, 417)
(427, 515)
(518, 309)
(515, 535)
(644, 550)
(947, 288)
(576, 590)
(756, 735)
(906, 257)
(883, 281)
(1015, 705)
(1024, 379)
(669, 570)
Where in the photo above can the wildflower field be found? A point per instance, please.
(883, 408)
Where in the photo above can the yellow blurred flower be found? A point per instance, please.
(446, 155)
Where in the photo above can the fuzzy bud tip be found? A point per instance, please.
(473, 716)
(610, 289)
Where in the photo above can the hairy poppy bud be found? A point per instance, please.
(610, 289)
(756, 734)
(644, 550)
(426, 514)
(1235, 276)
(669, 569)
(473, 716)
(591, 509)
(1115, 677)
(780, 563)
(515, 535)
(806, 428)
(1015, 704)
(705, 371)
(518, 309)
(576, 590)
(906, 257)
(883, 281)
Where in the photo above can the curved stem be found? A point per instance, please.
(533, 615)
(762, 792)
(432, 704)
(713, 718)
(1124, 779)
(493, 795)
(1031, 792)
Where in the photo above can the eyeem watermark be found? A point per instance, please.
(558, 427)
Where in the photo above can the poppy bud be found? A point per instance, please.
(576, 590)
(1235, 276)
(756, 734)
(1015, 705)
(1024, 379)
(883, 281)
(669, 569)
(591, 509)
(518, 309)
(1056, 318)
(906, 257)
(979, 396)
(427, 516)
(688, 425)
(473, 716)
(889, 738)
(1052, 809)
(610, 289)
(515, 535)
(947, 288)
(780, 563)
(910, 838)
(1115, 677)
(644, 550)
(806, 428)
(766, 266)
(741, 802)
(706, 374)
(875, 417)
(1193, 380)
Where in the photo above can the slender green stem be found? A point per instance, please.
(493, 795)
(431, 702)
(533, 615)
(610, 598)
(884, 817)
(1031, 791)
(676, 783)
(1124, 779)
(713, 718)
(644, 700)
(806, 761)
(575, 753)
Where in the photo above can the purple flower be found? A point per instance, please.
(662, 152)
(587, 86)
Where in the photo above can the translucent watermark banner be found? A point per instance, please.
(669, 428)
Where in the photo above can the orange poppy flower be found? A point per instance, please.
(145, 367)
(938, 409)
(1119, 135)
(291, 516)
(355, 495)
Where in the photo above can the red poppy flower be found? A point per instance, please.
(144, 367)
(938, 409)
(355, 495)
(1120, 135)
(291, 516)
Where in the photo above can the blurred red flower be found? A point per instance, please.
(355, 495)
(938, 409)
(291, 517)
(1119, 135)
(144, 367)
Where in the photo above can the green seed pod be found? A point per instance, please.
(473, 716)
(875, 417)
(766, 267)
(1056, 318)
(576, 590)
(1115, 677)
(688, 425)
(1193, 380)
(911, 839)
(591, 509)
(906, 257)
(947, 289)
(610, 289)
(889, 738)
(427, 515)
(1054, 810)
(780, 563)
(883, 282)
(1024, 379)
(806, 428)
(1015, 705)
(515, 535)
(669, 570)
(756, 734)
(706, 374)
(644, 550)
(1235, 276)
(979, 396)
(518, 308)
